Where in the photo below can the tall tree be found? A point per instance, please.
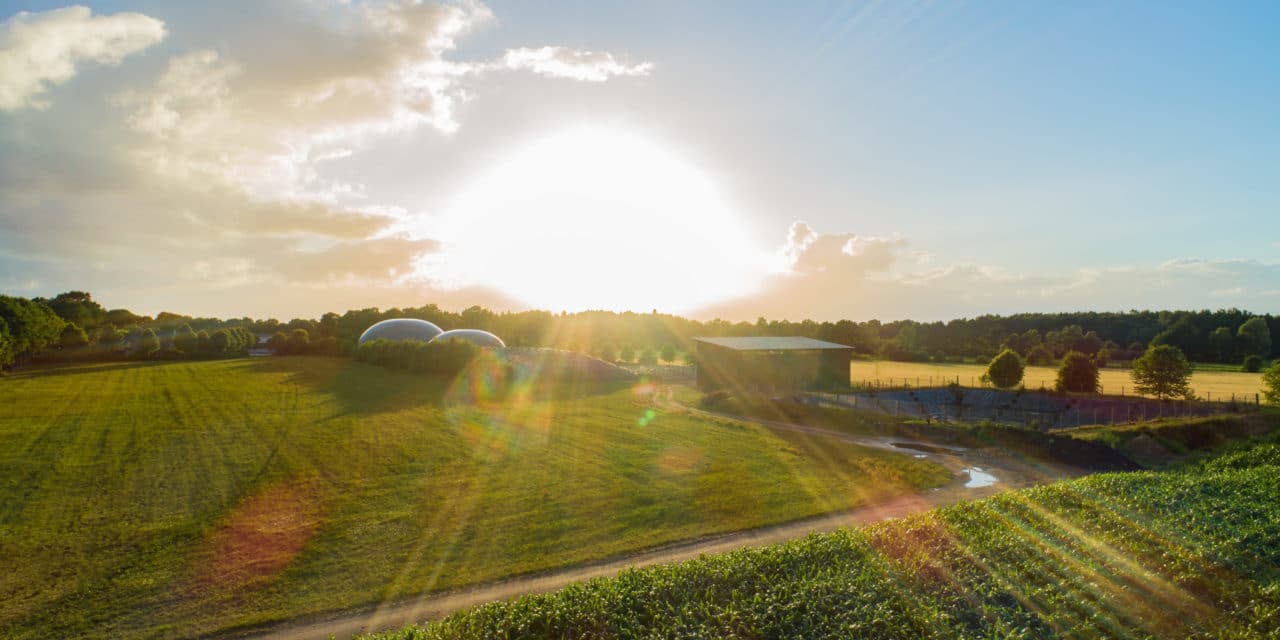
(1223, 343)
(33, 326)
(1163, 371)
(1078, 373)
(79, 308)
(1254, 337)
(73, 337)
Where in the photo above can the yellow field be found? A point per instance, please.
(1215, 384)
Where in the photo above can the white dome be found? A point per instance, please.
(474, 336)
(401, 329)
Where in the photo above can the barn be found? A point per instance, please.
(772, 364)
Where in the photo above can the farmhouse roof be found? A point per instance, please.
(773, 343)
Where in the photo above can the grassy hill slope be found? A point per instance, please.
(174, 499)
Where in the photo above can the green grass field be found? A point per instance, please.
(175, 499)
(1187, 553)
(1215, 382)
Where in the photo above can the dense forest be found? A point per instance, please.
(73, 326)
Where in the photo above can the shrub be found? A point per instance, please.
(628, 353)
(1253, 364)
(1103, 357)
(448, 358)
(648, 357)
(608, 352)
(1040, 355)
(1078, 373)
(668, 353)
(1163, 371)
(1271, 383)
(1005, 370)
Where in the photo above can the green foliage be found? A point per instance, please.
(1252, 364)
(1183, 334)
(32, 326)
(185, 339)
(445, 358)
(278, 343)
(1005, 370)
(78, 307)
(1254, 337)
(1163, 371)
(1102, 358)
(1246, 457)
(141, 344)
(1039, 355)
(1077, 373)
(1177, 554)
(628, 353)
(73, 337)
(1223, 343)
(668, 352)
(195, 499)
(6, 345)
(1271, 383)
(648, 356)
(608, 352)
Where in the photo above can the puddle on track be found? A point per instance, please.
(979, 478)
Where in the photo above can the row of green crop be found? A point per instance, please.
(1187, 553)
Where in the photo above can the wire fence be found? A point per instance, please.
(1027, 408)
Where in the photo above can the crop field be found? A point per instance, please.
(1216, 384)
(178, 499)
(1175, 554)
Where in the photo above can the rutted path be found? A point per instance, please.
(1009, 472)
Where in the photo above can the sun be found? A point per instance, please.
(598, 218)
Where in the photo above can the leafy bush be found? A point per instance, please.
(1039, 355)
(1005, 370)
(1253, 364)
(1271, 383)
(448, 358)
(1078, 374)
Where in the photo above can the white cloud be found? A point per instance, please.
(844, 275)
(575, 64)
(38, 50)
(220, 165)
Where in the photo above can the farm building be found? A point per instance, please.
(771, 364)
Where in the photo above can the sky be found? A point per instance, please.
(926, 160)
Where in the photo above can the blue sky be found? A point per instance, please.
(1105, 124)
(950, 159)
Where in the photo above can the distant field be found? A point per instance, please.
(1219, 384)
(163, 500)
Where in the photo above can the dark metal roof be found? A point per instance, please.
(788, 343)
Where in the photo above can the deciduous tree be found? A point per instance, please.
(1078, 373)
(1163, 371)
(1005, 370)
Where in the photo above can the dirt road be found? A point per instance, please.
(978, 473)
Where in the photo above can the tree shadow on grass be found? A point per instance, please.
(358, 387)
(364, 389)
(45, 370)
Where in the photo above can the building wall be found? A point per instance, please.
(771, 372)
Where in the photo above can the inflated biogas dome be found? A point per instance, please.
(401, 329)
(474, 336)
